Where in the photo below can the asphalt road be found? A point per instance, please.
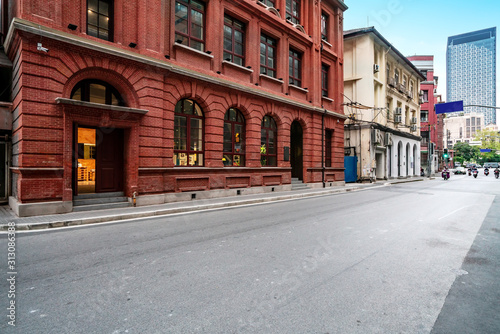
(417, 257)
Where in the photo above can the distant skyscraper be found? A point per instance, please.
(471, 71)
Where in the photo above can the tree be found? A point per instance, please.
(466, 152)
(489, 157)
(489, 139)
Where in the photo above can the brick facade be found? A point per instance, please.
(156, 74)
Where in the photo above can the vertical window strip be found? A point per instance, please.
(99, 19)
(234, 41)
(295, 68)
(324, 80)
(234, 139)
(188, 134)
(190, 23)
(267, 56)
(293, 11)
(324, 26)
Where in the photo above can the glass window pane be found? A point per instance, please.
(188, 107)
(77, 95)
(104, 34)
(228, 44)
(196, 31)
(197, 45)
(103, 22)
(104, 8)
(181, 18)
(182, 144)
(92, 31)
(227, 56)
(114, 100)
(239, 61)
(238, 36)
(92, 18)
(197, 110)
(198, 5)
(238, 49)
(200, 160)
(97, 93)
(227, 160)
(92, 5)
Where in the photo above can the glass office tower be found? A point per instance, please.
(471, 71)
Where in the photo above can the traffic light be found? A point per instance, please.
(445, 154)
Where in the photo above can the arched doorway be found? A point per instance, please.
(400, 160)
(98, 151)
(408, 159)
(296, 156)
(415, 170)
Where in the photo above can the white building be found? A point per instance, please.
(382, 101)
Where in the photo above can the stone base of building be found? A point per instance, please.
(143, 200)
(39, 209)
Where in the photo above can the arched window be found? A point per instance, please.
(188, 134)
(268, 140)
(234, 138)
(97, 91)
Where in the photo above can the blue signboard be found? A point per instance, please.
(485, 150)
(443, 108)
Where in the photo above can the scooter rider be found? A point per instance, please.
(496, 172)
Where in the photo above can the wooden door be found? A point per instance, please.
(109, 160)
(296, 150)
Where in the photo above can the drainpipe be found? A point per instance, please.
(323, 148)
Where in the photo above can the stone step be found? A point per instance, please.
(99, 200)
(104, 206)
(99, 195)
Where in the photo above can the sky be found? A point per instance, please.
(422, 27)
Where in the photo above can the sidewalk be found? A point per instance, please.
(100, 216)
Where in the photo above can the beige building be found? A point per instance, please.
(381, 89)
(462, 128)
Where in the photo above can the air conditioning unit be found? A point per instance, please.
(398, 111)
(388, 139)
(413, 128)
(376, 68)
(413, 120)
(397, 119)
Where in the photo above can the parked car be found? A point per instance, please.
(491, 164)
(460, 170)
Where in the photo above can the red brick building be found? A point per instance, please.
(431, 125)
(172, 100)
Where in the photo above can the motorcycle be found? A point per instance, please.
(496, 173)
(486, 172)
(445, 174)
(474, 173)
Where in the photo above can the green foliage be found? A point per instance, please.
(460, 160)
(489, 139)
(466, 152)
(489, 157)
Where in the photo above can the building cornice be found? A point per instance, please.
(36, 29)
(371, 30)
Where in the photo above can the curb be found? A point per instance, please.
(166, 212)
(185, 209)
